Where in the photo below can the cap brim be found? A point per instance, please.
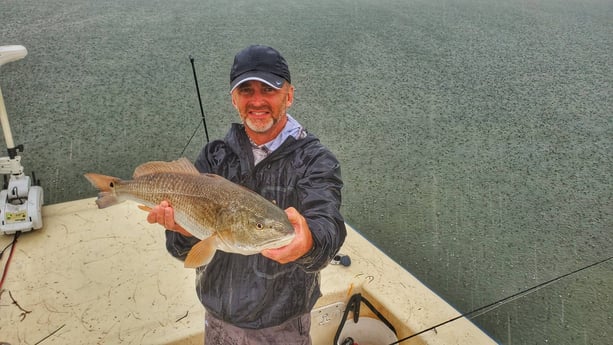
(267, 78)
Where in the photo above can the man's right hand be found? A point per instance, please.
(164, 215)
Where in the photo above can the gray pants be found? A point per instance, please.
(291, 332)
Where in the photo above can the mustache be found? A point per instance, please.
(259, 108)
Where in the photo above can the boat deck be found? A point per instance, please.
(104, 277)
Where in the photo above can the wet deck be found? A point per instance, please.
(104, 277)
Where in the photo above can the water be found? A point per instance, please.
(475, 137)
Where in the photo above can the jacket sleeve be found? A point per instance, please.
(319, 202)
(179, 245)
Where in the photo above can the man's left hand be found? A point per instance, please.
(300, 245)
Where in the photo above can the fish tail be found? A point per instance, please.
(106, 185)
(106, 199)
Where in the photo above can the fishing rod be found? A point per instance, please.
(500, 302)
(206, 132)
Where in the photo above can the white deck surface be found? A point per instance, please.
(104, 277)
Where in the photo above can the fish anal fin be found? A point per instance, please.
(181, 165)
(202, 252)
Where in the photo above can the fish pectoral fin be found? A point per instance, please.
(145, 208)
(202, 252)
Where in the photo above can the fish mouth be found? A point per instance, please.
(279, 242)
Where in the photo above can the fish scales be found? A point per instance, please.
(222, 214)
(197, 199)
(196, 202)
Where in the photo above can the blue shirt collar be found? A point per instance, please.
(292, 129)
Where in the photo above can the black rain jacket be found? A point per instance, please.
(253, 291)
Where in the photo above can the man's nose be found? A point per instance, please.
(257, 97)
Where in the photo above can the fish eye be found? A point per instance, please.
(112, 184)
(259, 226)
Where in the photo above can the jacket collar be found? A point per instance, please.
(238, 141)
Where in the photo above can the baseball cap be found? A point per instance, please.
(262, 63)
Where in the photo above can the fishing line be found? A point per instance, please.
(190, 140)
(500, 302)
(206, 132)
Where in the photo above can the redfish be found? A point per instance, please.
(222, 214)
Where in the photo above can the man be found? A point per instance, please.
(266, 298)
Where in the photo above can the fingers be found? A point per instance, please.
(300, 245)
(298, 222)
(294, 218)
(164, 215)
(169, 217)
(159, 214)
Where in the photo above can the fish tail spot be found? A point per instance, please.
(102, 182)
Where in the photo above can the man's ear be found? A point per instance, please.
(290, 96)
(233, 102)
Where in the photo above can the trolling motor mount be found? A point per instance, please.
(21, 201)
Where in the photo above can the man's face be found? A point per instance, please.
(262, 107)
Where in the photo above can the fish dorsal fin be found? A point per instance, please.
(222, 180)
(202, 252)
(213, 176)
(181, 165)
